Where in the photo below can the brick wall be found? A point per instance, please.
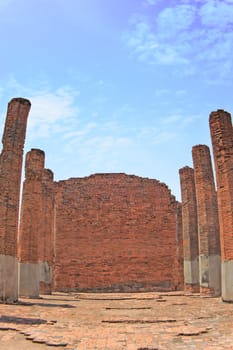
(115, 232)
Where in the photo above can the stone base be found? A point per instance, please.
(227, 280)
(191, 276)
(210, 275)
(29, 279)
(8, 279)
(45, 278)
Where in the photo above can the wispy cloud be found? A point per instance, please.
(188, 34)
(52, 111)
(151, 2)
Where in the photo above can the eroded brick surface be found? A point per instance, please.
(31, 211)
(46, 241)
(179, 264)
(115, 232)
(10, 173)
(10, 178)
(190, 230)
(164, 321)
(208, 225)
(222, 142)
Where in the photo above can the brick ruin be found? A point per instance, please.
(11, 159)
(121, 234)
(189, 226)
(115, 232)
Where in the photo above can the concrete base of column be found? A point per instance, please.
(210, 275)
(29, 280)
(227, 280)
(8, 279)
(45, 278)
(191, 276)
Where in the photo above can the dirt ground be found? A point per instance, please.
(137, 321)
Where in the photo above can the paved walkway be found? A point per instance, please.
(145, 321)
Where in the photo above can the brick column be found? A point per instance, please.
(208, 225)
(178, 274)
(10, 178)
(46, 243)
(222, 142)
(31, 224)
(190, 233)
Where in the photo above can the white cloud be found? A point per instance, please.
(192, 34)
(151, 2)
(172, 20)
(52, 111)
(217, 14)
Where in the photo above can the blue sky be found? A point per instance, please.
(117, 85)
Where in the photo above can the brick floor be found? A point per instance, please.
(142, 321)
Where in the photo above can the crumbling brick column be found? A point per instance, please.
(222, 142)
(10, 178)
(179, 248)
(31, 224)
(208, 225)
(190, 231)
(46, 242)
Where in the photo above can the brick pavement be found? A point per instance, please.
(140, 321)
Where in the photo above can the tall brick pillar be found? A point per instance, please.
(179, 248)
(222, 142)
(10, 178)
(46, 242)
(31, 225)
(190, 231)
(208, 225)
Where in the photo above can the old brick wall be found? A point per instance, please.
(115, 232)
(10, 177)
(190, 230)
(208, 225)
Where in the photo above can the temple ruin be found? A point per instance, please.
(115, 232)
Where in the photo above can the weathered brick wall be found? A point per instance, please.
(208, 225)
(190, 230)
(115, 232)
(10, 177)
(222, 142)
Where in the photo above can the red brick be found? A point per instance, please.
(115, 232)
(31, 211)
(208, 225)
(10, 178)
(222, 142)
(190, 230)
